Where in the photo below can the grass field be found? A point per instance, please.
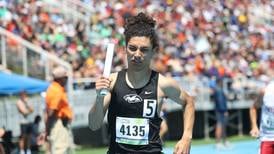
(102, 150)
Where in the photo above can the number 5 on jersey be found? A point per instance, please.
(149, 108)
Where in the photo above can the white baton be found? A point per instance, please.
(108, 63)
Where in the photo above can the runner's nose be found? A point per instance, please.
(137, 58)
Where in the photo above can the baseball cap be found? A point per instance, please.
(59, 72)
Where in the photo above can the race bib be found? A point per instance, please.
(132, 131)
(268, 118)
(268, 122)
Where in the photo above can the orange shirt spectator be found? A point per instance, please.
(59, 114)
(57, 100)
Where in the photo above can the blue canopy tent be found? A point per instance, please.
(14, 84)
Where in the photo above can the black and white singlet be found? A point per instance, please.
(132, 116)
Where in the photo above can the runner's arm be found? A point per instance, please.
(172, 90)
(98, 110)
(253, 110)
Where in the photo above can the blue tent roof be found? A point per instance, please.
(13, 84)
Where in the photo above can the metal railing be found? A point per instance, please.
(26, 58)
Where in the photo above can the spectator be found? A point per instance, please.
(37, 138)
(8, 144)
(25, 110)
(221, 111)
(59, 114)
(2, 132)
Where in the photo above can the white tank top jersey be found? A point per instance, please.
(267, 114)
(24, 119)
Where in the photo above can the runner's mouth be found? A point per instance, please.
(136, 60)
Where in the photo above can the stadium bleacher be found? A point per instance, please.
(231, 38)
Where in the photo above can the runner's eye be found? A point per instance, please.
(143, 49)
(132, 48)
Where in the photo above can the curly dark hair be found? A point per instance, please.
(141, 25)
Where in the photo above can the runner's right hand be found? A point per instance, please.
(102, 83)
(255, 132)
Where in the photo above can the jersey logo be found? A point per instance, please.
(148, 92)
(133, 98)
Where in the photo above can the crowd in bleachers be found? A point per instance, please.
(198, 38)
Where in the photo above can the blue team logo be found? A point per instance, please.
(133, 98)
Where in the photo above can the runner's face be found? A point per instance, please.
(139, 52)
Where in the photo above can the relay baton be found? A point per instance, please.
(108, 63)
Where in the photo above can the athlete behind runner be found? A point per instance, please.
(265, 100)
(133, 103)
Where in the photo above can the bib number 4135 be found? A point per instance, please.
(132, 130)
